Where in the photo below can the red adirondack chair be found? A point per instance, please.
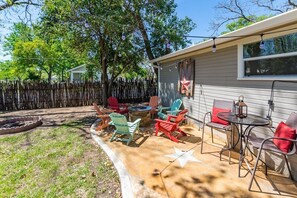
(118, 107)
(171, 125)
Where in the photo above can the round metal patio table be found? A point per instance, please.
(250, 122)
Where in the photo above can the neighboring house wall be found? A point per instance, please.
(216, 78)
(76, 74)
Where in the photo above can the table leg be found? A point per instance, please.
(240, 150)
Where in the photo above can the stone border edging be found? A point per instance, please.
(126, 184)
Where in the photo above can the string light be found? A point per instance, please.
(170, 69)
(214, 47)
(262, 46)
(168, 44)
(123, 36)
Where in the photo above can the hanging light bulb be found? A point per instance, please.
(168, 44)
(262, 45)
(214, 47)
(170, 69)
(175, 66)
(120, 55)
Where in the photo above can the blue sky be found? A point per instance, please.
(202, 12)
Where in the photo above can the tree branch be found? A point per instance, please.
(269, 7)
(7, 4)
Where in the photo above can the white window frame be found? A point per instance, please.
(240, 66)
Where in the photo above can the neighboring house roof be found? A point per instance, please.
(77, 68)
(256, 28)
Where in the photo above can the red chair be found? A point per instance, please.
(171, 125)
(118, 107)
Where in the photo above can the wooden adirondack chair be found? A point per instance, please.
(173, 110)
(118, 107)
(103, 114)
(123, 127)
(171, 125)
(154, 105)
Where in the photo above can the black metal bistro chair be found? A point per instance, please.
(219, 104)
(268, 145)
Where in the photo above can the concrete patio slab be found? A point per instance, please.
(168, 169)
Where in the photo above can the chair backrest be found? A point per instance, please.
(99, 112)
(224, 104)
(120, 122)
(176, 104)
(153, 101)
(180, 117)
(112, 101)
(292, 122)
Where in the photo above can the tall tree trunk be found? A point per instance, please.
(49, 79)
(145, 37)
(104, 77)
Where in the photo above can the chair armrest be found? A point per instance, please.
(204, 119)
(165, 121)
(103, 116)
(169, 116)
(111, 123)
(135, 122)
(163, 108)
(107, 110)
(113, 107)
(277, 138)
(173, 112)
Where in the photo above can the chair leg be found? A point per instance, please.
(286, 159)
(202, 136)
(112, 137)
(157, 129)
(211, 135)
(255, 169)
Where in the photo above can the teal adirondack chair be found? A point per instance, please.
(173, 110)
(123, 128)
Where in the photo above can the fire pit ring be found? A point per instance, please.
(16, 125)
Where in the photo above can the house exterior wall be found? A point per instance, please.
(216, 78)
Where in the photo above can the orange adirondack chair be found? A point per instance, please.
(118, 107)
(171, 125)
(154, 105)
(104, 115)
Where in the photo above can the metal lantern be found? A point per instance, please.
(241, 108)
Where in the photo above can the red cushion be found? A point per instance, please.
(284, 131)
(215, 118)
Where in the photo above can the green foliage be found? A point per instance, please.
(240, 23)
(38, 55)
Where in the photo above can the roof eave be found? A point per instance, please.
(259, 27)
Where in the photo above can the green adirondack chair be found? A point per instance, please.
(123, 128)
(174, 109)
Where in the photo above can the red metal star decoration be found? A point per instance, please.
(185, 84)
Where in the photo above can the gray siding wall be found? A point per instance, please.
(216, 78)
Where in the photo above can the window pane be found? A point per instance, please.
(278, 45)
(272, 66)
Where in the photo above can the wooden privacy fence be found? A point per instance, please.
(35, 95)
